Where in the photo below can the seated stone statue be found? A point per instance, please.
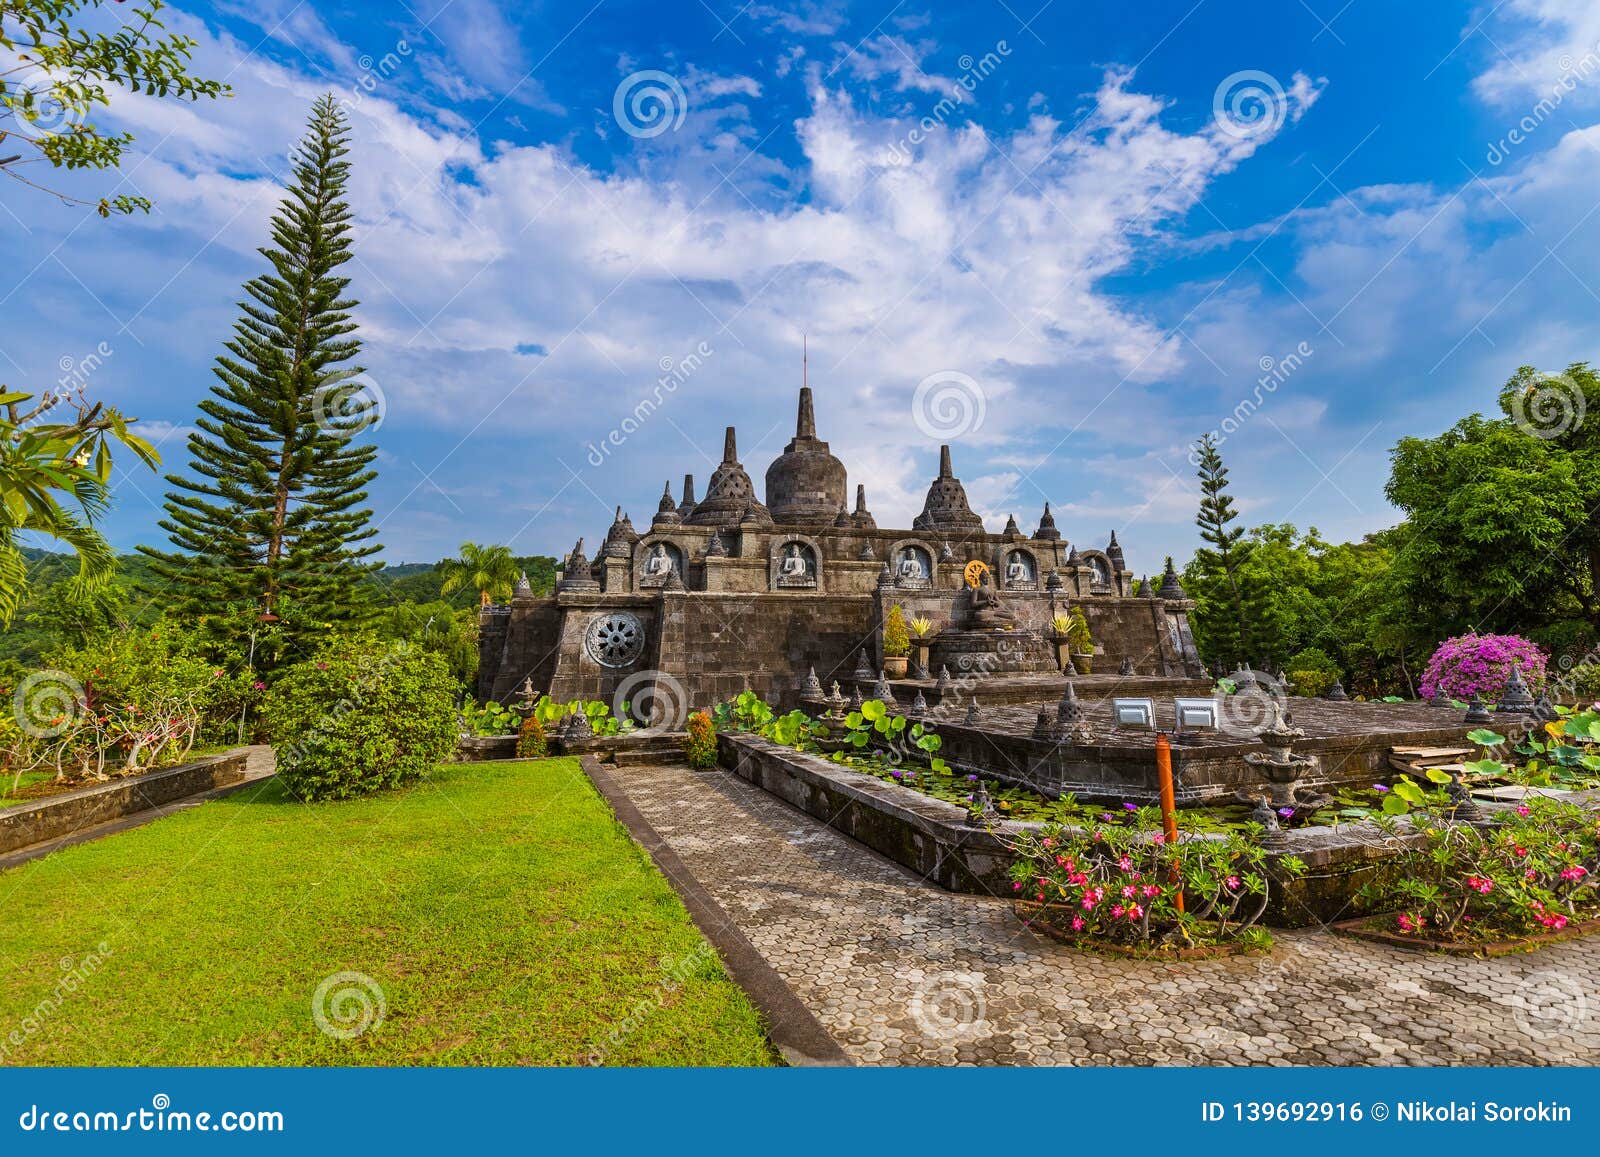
(1017, 570)
(794, 566)
(659, 563)
(987, 611)
(911, 567)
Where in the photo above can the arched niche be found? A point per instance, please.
(911, 564)
(1019, 568)
(1102, 575)
(655, 560)
(794, 563)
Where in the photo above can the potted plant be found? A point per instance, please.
(1078, 640)
(1061, 639)
(896, 643)
(921, 638)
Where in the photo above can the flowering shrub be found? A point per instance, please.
(1533, 869)
(531, 740)
(1480, 665)
(700, 745)
(1121, 884)
(130, 701)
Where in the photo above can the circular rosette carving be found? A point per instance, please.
(615, 639)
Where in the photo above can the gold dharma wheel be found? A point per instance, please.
(974, 573)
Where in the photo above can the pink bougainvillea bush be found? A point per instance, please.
(1480, 665)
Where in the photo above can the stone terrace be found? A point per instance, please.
(901, 972)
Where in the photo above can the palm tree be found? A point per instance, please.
(55, 481)
(491, 570)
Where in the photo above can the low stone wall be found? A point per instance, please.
(472, 748)
(73, 811)
(935, 840)
(926, 835)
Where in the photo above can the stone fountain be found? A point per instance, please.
(1281, 768)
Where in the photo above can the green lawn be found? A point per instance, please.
(502, 911)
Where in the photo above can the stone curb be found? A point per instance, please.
(136, 819)
(793, 1029)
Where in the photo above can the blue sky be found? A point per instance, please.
(1099, 228)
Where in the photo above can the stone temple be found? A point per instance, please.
(785, 593)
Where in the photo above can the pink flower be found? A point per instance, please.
(1479, 884)
(1152, 890)
(1574, 873)
(1118, 911)
(1077, 923)
(1125, 863)
(1135, 912)
(1129, 891)
(1233, 883)
(1017, 887)
(1159, 838)
(1522, 809)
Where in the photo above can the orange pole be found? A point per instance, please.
(1169, 802)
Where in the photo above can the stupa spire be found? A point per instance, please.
(806, 424)
(945, 469)
(730, 446)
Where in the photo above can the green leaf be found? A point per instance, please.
(1485, 738)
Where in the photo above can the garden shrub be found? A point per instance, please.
(531, 740)
(1471, 665)
(1120, 884)
(896, 639)
(361, 717)
(1532, 869)
(700, 745)
(1312, 671)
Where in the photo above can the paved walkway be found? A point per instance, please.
(901, 972)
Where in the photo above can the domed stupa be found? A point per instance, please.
(806, 484)
(946, 509)
(730, 497)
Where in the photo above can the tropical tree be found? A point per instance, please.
(54, 481)
(270, 520)
(1224, 623)
(59, 71)
(1503, 529)
(490, 570)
